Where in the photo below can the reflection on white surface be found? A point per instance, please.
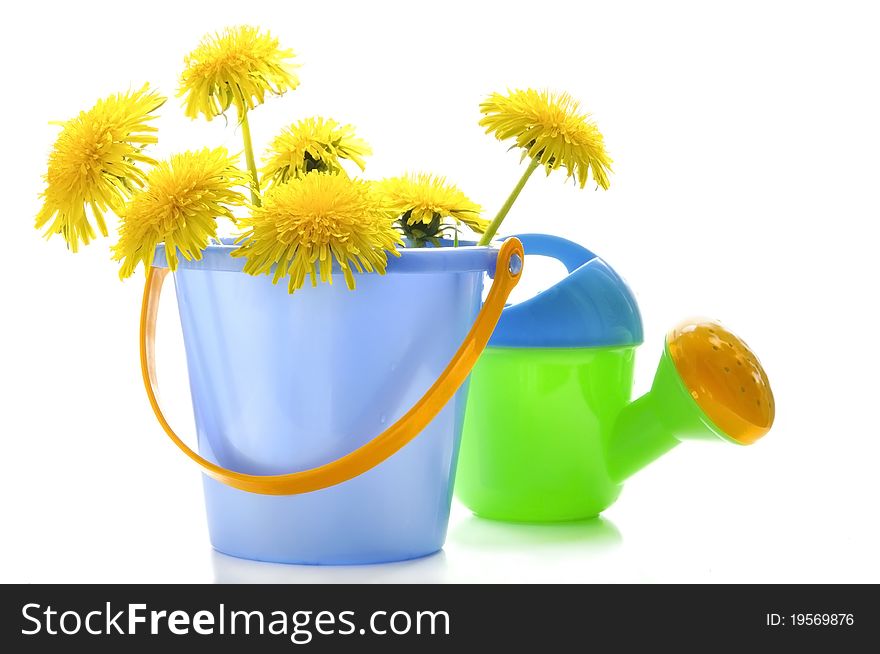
(231, 570)
(571, 545)
(584, 535)
(499, 552)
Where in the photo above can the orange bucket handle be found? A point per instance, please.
(508, 270)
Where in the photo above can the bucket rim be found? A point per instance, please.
(461, 259)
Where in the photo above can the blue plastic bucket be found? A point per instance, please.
(283, 383)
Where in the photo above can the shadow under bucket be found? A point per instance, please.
(311, 399)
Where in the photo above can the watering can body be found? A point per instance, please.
(547, 392)
(550, 431)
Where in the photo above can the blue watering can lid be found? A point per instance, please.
(591, 307)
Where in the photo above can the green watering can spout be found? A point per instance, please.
(708, 385)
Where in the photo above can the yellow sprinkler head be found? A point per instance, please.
(709, 385)
(724, 377)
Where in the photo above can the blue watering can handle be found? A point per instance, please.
(508, 270)
(571, 254)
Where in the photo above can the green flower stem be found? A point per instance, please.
(249, 156)
(502, 212)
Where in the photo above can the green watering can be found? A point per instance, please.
(550, 431)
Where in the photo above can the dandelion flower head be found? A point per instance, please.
(180, 205)
(552, 130)
(95, 164)
(237, 66)
(307, 224)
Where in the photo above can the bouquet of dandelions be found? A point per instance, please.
(304, 212)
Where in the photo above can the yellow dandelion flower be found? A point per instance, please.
(95, 163)
(306, 224)
(552, 130)
(180, 205)
(313, 144)
(237, 66)
(422, 203)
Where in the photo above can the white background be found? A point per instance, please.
(745, 137)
